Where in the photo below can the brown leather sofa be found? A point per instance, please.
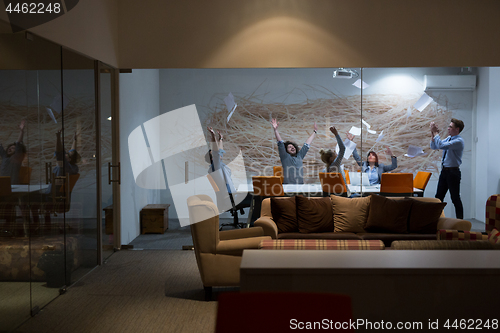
(360, 229)
(218, 253)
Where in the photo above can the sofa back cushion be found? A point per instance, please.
(424, 216)
(284, 213)
(349, 215)
(314, 214)
(388, 215)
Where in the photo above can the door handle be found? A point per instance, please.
(119, 173)
(48, 168)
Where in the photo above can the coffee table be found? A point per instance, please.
(389, 285)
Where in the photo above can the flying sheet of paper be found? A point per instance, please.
(51, 114)
(414, 151)
(368, 127)
(380, 136)
(355, 130)
(422, 103)
(349, 148)
(57, 104)
(229, 116)
(359, 84)
(230, 104)
(408, 112)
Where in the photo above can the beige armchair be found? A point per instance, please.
(218, 253)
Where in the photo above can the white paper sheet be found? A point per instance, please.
(349, 148)
(355, 130)
(57, 104)
(368, 127)
(380, 136)
(422, 103)
(359, 84)
(51, 114)
(230, 114)
(230, 104)
(414, 151)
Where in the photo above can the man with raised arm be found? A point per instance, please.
(453, 149)
(291, 157)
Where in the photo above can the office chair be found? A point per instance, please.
(333, 183)
(264, 187)
(235, 208)
(421, 180)
(7, 201)
(61, 199)
(396, 184)
(347, 179)
(278, 171)
(25, 175)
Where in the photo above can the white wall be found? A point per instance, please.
(139, 102)
(487, 151)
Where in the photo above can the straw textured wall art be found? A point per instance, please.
(40, 136)
(249, 129)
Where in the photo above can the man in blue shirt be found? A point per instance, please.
(453, 148)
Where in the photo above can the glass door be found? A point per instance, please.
(110, 168)
(15, 302)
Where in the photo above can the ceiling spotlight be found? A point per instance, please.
(344, 73)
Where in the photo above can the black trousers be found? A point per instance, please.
(449, 179)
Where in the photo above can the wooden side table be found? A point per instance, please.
(154, 219)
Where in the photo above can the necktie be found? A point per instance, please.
(446, 151)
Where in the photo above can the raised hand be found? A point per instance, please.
(315, 127)
(334, 130)
(388, 151)
(220, 135)
(434, 127)
(350, 136)
(274, 123)
(22, 124)
(212, 134)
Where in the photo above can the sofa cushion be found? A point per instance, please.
(424, 216)
(446, 234)
(391, 237)
(314, 214)
(442, 245)
(494, 236)
(387, 215)
(349, 215)
(320, 244)
(321, 235)
(284, 214)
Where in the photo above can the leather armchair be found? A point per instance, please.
(218, 253)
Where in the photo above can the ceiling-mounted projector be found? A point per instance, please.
(344, 73)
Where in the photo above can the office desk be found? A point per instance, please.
(26, 189)
(315, 189)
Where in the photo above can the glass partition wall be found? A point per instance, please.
(48, 206)
(386, 111)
